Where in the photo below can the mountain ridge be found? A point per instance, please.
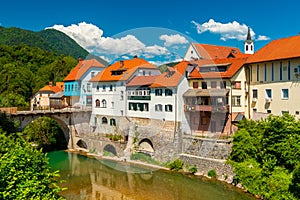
(49, 39)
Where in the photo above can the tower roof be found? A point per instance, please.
(249, 35)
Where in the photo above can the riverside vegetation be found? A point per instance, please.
(24, 170)
(266, 157)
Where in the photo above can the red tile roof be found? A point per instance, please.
(207, 51)
(141, 80)
(283, 48)
(81, 68)
(127, 67)
(233, 65)
(172, 76)
(50, 88)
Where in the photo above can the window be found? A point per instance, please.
(168, 108)
(168, 92)
(112, 122)
(236, 84)
(122, 95)
(283, 112)
(104, 120)
(289, 70)
(280, 71)
(195, 85)
(112, 104)
(88, 87)
(257, 72)
(269, 93)
(272, 73)
(254, 93)
(265, 72)
(92, 74)
(204, 85)
(158, 92)
(223, 84)
(158, 107)
(269, 111)
(97, 103)
(285, 93)
(236, 100)
(203, 120)
(103, 103)
(98, 87)
(103, 88)
(111, 88)
(213, 84)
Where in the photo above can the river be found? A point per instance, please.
(90, 179)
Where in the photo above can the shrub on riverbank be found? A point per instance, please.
(176, 165)
(144, 158)
(24, 171)
(265, 155)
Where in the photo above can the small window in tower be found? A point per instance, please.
(246, 47)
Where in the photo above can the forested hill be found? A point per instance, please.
(24, 70)
(49, 39)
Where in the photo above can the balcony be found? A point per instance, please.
(207, 108)
(139, 98)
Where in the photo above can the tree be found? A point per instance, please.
(24, 171)
(265, 154)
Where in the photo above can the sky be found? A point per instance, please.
(114, 29)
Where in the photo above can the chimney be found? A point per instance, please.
(121, 63)
(79, 59)
(50, 83)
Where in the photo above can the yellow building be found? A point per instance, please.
(274, 74)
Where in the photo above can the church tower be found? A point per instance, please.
(249, 44)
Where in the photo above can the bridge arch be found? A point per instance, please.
(82, 144)
(146, 146)
(63, 119)
(110, 148)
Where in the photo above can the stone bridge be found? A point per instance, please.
(73, 122)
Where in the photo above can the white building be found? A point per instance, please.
(109, 91)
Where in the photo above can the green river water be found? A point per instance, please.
(90, 179)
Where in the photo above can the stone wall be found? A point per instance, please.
(204, 165)
(205, 147)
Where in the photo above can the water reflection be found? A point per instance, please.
(88, 178)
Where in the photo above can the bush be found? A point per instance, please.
(176, 165)
(143, 157)
(212, 173)
(193, 169)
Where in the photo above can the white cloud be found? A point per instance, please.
(173, 39)
(90, 37)
(262, 38)
(230, 30)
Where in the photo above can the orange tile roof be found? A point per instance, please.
(207, 51)
(283, 48)
(81, 68)
(49, 88)
(141, 80)
(128, 67)
(233, 65)
(181, 67)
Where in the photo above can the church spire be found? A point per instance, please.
(249, 35)
(249, 44)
